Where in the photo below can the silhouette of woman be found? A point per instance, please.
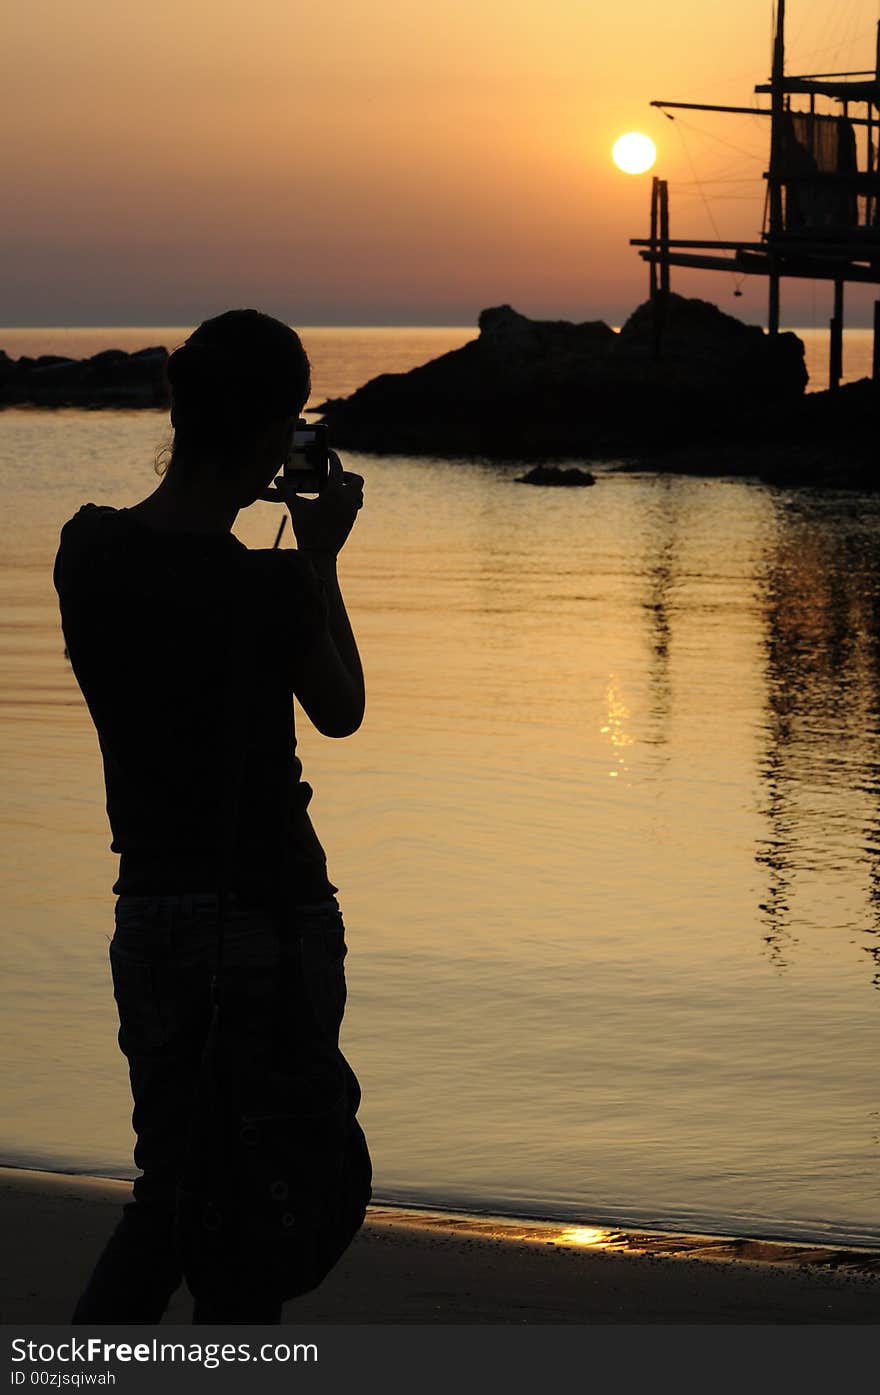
(162, 608)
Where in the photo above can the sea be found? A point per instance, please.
(608, 840)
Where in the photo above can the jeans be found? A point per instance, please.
(162, 957)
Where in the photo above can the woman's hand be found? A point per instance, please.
(323, 523)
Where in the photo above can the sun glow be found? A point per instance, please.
(634, 153)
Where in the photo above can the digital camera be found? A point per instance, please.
(308, 462)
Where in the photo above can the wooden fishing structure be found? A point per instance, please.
(822, 209)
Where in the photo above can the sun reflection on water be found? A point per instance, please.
(583, 1235)
(617, 713)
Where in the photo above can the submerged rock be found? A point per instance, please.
(543, 389)
(554, 475)
(111, 378)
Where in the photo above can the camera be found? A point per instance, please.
(307, 465)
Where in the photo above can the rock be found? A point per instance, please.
(107, 358)
(51, 379)
(519, 350)
(545, 389)
(502, 394)
(133, 380)
(49, 360)
(111, 378)
(826, 439)
(553, 475)
(831, 438)
(704, 349)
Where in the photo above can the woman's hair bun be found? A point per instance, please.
(196, 366)
(241, 360)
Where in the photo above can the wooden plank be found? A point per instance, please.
(760, 266)
(867, 248)
(708, 106)
(740, 111)
(813, 268)
(843, 91)
(697, 242)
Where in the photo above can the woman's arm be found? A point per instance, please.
(331, 682)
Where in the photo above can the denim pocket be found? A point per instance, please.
(136, 911)
(143, 1029)
(323, 955)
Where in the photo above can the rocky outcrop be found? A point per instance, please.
(831, 439)
(518, 351)
(534, 389)
(703, 350)
(828, 439)
(509, 392)
(109, 379)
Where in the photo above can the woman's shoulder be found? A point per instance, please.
(90, 513)
(100, 545)
(83, 535)
(90, 521)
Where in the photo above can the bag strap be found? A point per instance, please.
(234, 725)
(234, 729)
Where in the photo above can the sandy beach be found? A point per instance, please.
(431, 1267)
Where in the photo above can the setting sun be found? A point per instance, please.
(634, 153)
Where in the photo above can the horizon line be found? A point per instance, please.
(302, 325)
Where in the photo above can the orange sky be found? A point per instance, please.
(381, 161)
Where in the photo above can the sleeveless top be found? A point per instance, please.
(186, 647)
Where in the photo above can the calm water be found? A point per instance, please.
(608, 840)
(343, 359)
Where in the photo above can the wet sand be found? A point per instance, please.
(427, 1267)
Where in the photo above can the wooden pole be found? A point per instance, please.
(777, 114)
(877, 341)
(664, 237)
(654, 200)
(773, 303)
(869, 201)
(835, 367)
(774, 174)
(661, 293)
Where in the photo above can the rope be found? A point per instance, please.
(738, 278)
(710, 135)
